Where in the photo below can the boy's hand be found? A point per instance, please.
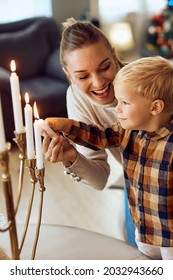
(59, 124)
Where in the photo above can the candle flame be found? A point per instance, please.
(13, 66)
(26, 97)
(36, 115)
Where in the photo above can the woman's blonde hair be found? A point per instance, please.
(77, 34)
(152, 77)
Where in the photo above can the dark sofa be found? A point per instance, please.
(34, 45)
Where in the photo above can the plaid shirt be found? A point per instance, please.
(148, 171)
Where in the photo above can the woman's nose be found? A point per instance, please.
(97, 81)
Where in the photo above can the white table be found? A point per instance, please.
(69, 243)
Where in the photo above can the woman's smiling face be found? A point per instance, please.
(92, 68)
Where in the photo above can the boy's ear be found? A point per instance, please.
(157, 107)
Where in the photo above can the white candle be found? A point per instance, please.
(42, 123)
(29, 128)
(38, 145)
(38, 142)
(16, 99)
(2, 132)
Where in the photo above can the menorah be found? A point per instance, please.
(28, 155)
(36, 176)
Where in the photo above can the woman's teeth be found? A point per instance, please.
(100, 92)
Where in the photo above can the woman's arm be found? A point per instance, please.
(93, 170)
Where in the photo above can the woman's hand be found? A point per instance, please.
(58, 149)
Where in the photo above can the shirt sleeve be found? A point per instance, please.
(93, 137)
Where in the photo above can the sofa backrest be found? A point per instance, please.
(29, 42)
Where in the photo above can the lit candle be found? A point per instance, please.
(2, 133)
(43, 124)
(16, 99)
(29, 128)
(38, 142)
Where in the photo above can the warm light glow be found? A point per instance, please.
(36, 115)
(26, 97)
(121, 36)
(13, 66)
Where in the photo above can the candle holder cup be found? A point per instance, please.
(36, 176)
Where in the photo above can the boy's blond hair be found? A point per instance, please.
(150, 76)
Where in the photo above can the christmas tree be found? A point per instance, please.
(159, 37)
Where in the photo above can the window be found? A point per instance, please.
(154, 6)
(13, 10)
(114, 10)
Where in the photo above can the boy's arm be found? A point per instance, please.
(86, 135)
(61, 124)
(71, 129)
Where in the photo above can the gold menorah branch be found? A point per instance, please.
(31, 164)
(20, 140)
(40, 177)
(36, 175)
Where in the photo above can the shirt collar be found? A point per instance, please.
(158, 134)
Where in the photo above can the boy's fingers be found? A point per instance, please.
(52, 122)
(56, 123)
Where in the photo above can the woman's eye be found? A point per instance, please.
(82, 78)
(105, 68)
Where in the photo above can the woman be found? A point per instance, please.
(90, 64)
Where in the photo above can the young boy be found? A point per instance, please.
(144, 91)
